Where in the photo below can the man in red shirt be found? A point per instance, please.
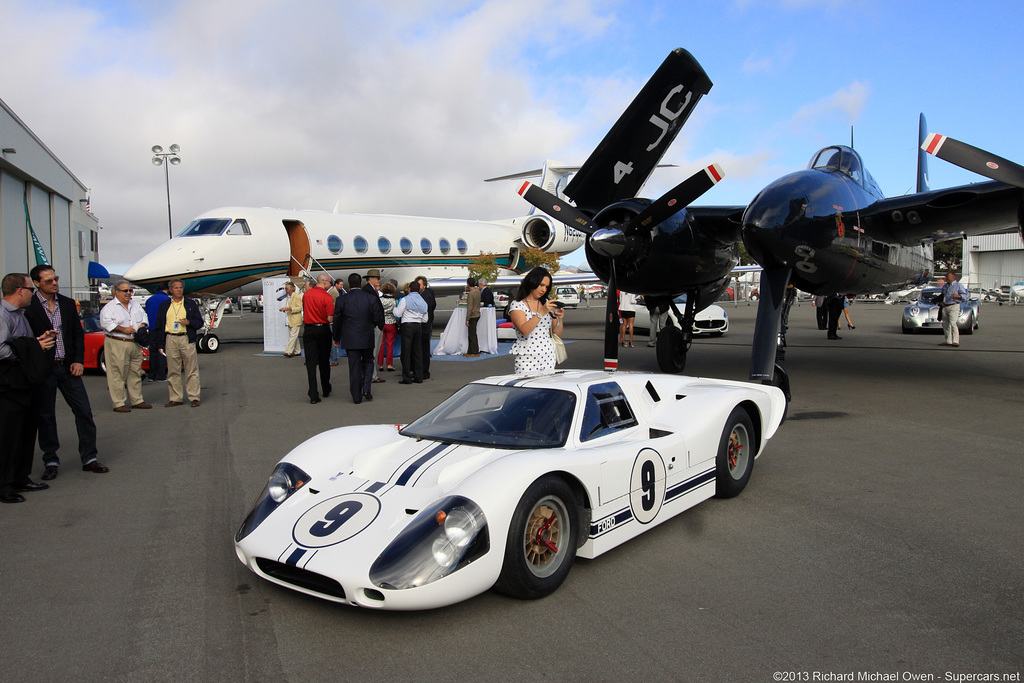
(317, 315)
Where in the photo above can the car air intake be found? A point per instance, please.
(301, 578)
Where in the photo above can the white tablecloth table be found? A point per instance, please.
(454, 340)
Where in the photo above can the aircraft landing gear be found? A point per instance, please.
(208, 343)
(673, 343)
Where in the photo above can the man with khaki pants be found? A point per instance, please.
(120, 320)
(177, 323)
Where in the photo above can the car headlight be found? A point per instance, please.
(286, 480)
(442, 539)
(915, 311)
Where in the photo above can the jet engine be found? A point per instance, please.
(540, 232)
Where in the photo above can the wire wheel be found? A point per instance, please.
(736, 451)
(543, 539)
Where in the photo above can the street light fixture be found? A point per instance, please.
(172, 159)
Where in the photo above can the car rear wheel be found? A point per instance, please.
(736, 450)
(541, 542)
(101, 361)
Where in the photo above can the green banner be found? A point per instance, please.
(41, 259)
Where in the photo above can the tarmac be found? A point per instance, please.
(880, 535)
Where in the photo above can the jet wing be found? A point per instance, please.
(976, 209)
(627, 155)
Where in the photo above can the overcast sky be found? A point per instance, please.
(405, 106)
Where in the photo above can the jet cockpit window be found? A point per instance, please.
(239, 227)
(205, 226)
(842, 159)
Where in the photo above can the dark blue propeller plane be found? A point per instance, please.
(827, 229)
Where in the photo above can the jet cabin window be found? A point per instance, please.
(205, 226)
(606, 411)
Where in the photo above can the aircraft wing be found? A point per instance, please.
(976, 209)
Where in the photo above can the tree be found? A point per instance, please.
(483, 266)
(948, 255)
(535, 257)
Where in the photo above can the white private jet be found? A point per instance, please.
(227, 251)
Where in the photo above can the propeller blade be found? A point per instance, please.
(974, 159)
(611, 323)
(553, 206)
(766, 326)
(678, 198)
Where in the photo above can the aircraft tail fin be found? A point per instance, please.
(554, 176)
(922, 156)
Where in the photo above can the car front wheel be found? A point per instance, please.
(736, 450)
(541, 542)
(101, 361)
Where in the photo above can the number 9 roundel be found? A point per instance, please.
(647, 485)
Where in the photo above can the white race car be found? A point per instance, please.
(502, 485)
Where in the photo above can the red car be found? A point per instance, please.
(94, 346)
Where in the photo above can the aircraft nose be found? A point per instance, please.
(778, 220)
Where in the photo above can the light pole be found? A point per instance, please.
(172, 159)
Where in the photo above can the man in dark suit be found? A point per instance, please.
(51, 310)
(372, 286)
(428, 327)
(356, 314)
(486, 295)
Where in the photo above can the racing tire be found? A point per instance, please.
(542, 540)
(736, 450)
(670, 351)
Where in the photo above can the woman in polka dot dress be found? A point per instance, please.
(534, 318)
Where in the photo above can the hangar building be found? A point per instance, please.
(40, 195)
(994, 260)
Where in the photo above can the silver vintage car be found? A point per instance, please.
(923, 314)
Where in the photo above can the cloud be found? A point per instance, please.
(773, 63)
(388, 107)
(846, 103)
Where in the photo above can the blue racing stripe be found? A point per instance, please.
(411, 470)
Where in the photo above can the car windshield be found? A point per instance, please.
(931, 296)
(499, 417)
(92, 323)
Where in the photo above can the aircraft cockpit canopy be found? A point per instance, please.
(845, 160)
(215, 226)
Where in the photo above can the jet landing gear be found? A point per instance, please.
(673, 343)
(208, 343)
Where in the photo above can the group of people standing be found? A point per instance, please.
(42, 350)
(364, 320)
